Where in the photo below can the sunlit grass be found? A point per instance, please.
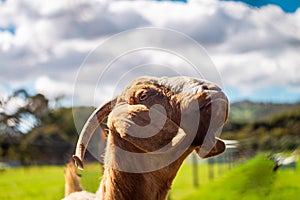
(46, 182)
(184, 181)
(252, 180)
(32, 183)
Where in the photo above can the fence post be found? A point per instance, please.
(195, 170)
(210, 167)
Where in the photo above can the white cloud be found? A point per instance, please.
(252, 48)
(12, 106)
(53, 88)
(5, 41)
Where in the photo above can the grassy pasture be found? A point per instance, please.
(252, 180)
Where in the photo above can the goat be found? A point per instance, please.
(153, 126)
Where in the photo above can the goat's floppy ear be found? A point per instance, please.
(217, 149)
(145, 128)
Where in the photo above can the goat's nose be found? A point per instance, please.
(210, 86)
(205, 87)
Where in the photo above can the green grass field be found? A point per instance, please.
(251, 180)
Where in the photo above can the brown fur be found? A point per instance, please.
(135, 186)
(72, 183)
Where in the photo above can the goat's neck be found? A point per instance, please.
(121, 185)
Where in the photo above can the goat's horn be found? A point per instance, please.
(89, 128)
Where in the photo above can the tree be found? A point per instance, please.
(20, 113)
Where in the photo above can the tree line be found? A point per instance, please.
(33, 133)
(278, 133)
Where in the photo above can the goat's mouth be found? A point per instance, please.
(219, 104)
(218, 107)
(213, 115)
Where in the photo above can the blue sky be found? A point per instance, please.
(9, 28)
(288, 6)
(254, 45)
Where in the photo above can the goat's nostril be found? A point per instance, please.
(205, 87)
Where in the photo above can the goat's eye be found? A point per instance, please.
(143, 97)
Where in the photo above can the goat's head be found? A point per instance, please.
(160, 114)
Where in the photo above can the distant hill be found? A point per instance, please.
(247, 111)
(265, 127)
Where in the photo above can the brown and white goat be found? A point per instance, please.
(153, 126)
